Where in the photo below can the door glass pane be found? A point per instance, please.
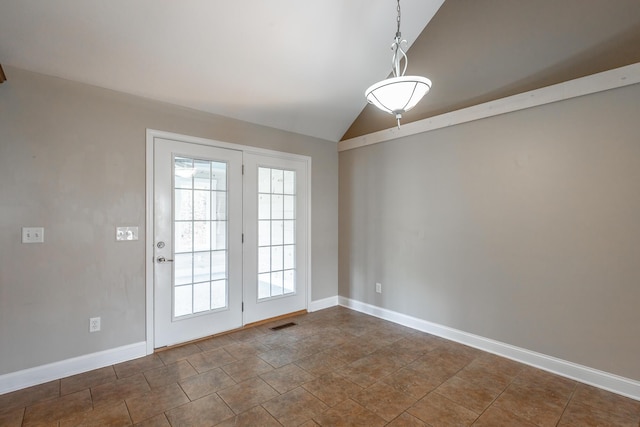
(218, 294)
(219, 205)
(276, 236)
(202, 175)
(264, 206)
(201, 205)
(201, 297)
(200, 236)
(183, 173)
(219, 235)
(183, 301)
(264, 233)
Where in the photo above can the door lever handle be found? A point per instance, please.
(162, 259)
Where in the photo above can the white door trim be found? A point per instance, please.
(149, 197)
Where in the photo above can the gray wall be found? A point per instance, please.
(523, 228)
(72, 159)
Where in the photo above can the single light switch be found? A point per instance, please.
(32, 234)
(126, 233)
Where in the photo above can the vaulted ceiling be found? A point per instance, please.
(303, 66)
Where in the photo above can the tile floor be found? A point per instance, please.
(336, 367)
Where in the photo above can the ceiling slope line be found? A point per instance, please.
(599, 82)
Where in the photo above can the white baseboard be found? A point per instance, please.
(76, 365)
(322, 304)
(604, 380)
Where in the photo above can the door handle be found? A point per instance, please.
(162, 259)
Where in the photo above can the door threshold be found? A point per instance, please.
(247, 326)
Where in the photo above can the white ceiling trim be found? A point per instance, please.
(611, 79)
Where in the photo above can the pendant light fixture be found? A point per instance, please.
(398, 94)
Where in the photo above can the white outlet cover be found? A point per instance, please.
(124, 234)
(32, 234)
(94, 324)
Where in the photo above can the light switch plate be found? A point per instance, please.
(32, 234)
(126, 233)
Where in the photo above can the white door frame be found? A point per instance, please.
(149, 250)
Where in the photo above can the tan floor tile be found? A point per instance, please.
(349, 413)
(274, 340)
(319, 364)
(286, 378)
(472, 395)
(455, 355)
(256, 416)
(384, 400)
(369, 369)
(498, 365)
(204, 412)
(156, 402)
(159, 420)
(355, 349)
(546, 381)
(201, 385)
(172, 373)
(247, 368)
(137, 366)
(406, 420)
(11, 417)
(396, 363)
(247, 394)
(295, 407)
(55, 409)
(110, 415)
(30, 395)
(436, 410)
(579, 414)
(243, 350)
(434, 366)
(332, 388)
(607, 401)
(211, 359)
(412, 382)
(542, 406)
(247, 334)
(495, 417)
(172, 355)
(282, 356)
(480, 373)
(87, 380)
(215, 342)
(125, 388)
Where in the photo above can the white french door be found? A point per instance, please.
(197, 241)
(275, 250)
(228, 249)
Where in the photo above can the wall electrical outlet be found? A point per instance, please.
(379, 288)
(32, 234)
(126, 233)
(94, 324)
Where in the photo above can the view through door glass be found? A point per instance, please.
(276, 232)
(200, 239)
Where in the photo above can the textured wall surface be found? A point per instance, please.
(523, 228)
(72, 159)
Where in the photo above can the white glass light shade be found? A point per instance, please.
(397, 95)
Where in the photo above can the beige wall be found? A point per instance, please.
(523, 228)
(72, 159)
